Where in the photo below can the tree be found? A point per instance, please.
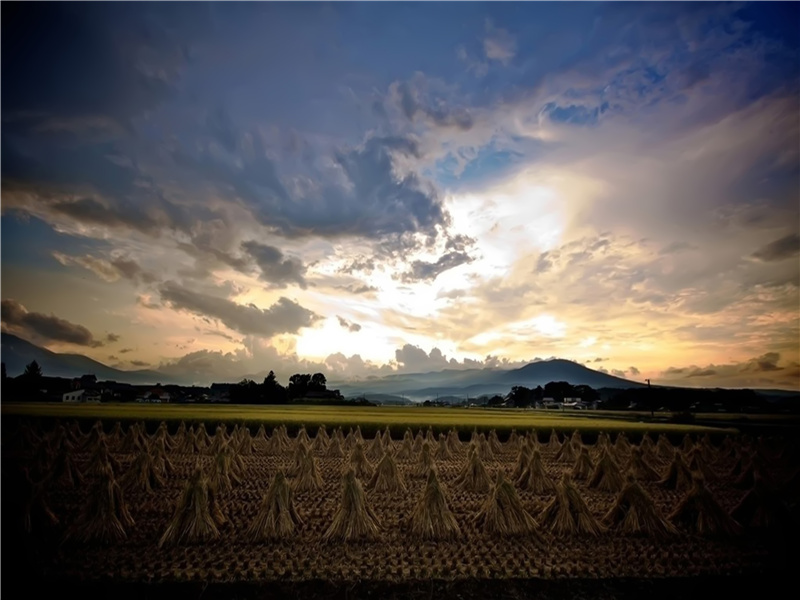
(298, 385)
(318, 383)
(520, 396)
(272, 392)
(33, 371)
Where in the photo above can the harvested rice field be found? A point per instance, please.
(286, 508)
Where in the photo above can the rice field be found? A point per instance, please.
(368, 418)
(226, 504)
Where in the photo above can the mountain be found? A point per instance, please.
(16, 353)
(477, 382)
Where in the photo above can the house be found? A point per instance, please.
(81, 396)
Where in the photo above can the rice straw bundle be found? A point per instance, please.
(196, 515)
(354, 519)
(534, 478)
(143, 474)
(64, 470)
(697, 462)
(334, 449)
(277, 517)
(224, 473)
(321, 442)
(513, 442)
(484, 449)
(554, 444)
(350, 440)
(567, 513)
(201, 438)
(640, 468)
(301, 450)
(302, 436)
(635, 513)
(308, 476)
(664, 448)
(473, 477)
(387, 438)
(244, 442)
(583, 466)
(418, 441)
(105, 516)
(101, 456)
(133, 442)
(35, 505)
(358, 462)
(607, 476)
(424, 462)
(523, 457)
(387, 477)
(443, 451)
(375, 450)
(677, 476)
(699, 511)
(762, 508)
(429, 437)
(431, 518)
(494, 442)
(503, 513)
(96, 435)
(686, 444)
(567, 453)
(406, 451)
(747, 478)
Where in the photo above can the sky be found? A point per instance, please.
(220, 190)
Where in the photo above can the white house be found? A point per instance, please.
(81, 396)
(74, 396)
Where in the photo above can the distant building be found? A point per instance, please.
(81, 396)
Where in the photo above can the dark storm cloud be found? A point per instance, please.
(275, 268)
(89, 210)
(427, 271)
(344, 323)
(68, 60)
(47, 328)
(140, 363)
(112, 337)
(285, 316)
(781, 249)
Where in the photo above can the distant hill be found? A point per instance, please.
(17, 353)
(476, 382)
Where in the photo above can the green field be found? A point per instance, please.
(368, 418)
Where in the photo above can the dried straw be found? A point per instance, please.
(534, 478)
(431, 518)
(473, 477)
(354, 519)
(583, 466)
(567, 513)
(677, 476)
(277, 517)
(424, 462)
(607, 476)
(640, 468)
(635, 513)
(358, 462)
(387, 477)
(105, 516)
(699, 511)
(503, 513)
(308, 476)
(196, 514)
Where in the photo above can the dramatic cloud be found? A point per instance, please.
(348, 325)
(110, 271)
(45, 328)
(425, 271)
(275, 268)
(285, 316)
(786, 247)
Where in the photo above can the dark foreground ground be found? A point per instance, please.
(704, 588)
